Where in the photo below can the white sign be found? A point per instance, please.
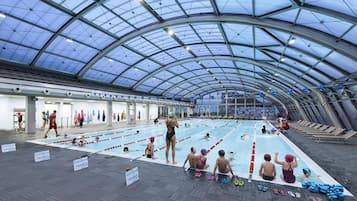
(132, 176)
(42, 156)
(8, 147)
(80, 164)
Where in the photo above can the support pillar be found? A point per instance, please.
(110, 113)
(182, 112)
(226, 97)
(131, 108)
(147, 112)
(235, 107)
(30, 116)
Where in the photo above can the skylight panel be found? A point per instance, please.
(36, 12)
(73, 50)
(99, 76)
(163, 58)
(166, 9)
(87, 34)
(124, 55)
(196, 6)
(23, 33)
(142, 45)
(16, 53)
(57, 63)
(110, 66)
(134, 74)
(147, 65)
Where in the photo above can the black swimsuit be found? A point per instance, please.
(169, 135)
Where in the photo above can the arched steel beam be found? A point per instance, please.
(325, 39)
(237, 85)
(245, 60)
(73, 18)
(253, 89)
(243, 77)
(281, 81)
(191, 44)
(232, 77)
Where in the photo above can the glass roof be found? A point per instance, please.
(183, 47)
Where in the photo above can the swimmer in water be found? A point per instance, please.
(231, 156)
(242, 137)
(97, 139)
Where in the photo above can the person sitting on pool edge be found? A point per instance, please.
(288, 167)
(191, 158)
(222, 164)
(201, 160)
(149, 151)
(267, 169)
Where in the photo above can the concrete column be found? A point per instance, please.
(30, 116)
(110, 113)
(147, 112)
(255, 106)
(131, 107)
(235, 108)
(245, 106)
(182, 112)
(61, 122)
(226, 97)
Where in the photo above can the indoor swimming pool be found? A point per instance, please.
(230, 135)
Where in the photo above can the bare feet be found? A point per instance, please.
(167, 161)
(174, 162)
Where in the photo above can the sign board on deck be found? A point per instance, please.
(8, 147)
(42, 156)
(131, 176)
(80, 164)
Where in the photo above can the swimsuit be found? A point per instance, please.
(270, 178)
(288, 174)
(201, 164)
(169, 135)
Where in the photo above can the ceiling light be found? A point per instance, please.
(187, 48)
(110, 60)
(170, 32)
(291, 41)
(2, 15)
(282, 59)
(69, 40)
(199, 62)
(276, 74)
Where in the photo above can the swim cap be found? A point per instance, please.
(152, 139)
(171, 114)
(221, 152)
(289, 158)
(267, 157)
(192, 149)
(203, 151)
(306, 171)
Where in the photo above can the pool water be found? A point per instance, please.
(229, 135)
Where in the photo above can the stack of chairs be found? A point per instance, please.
(323, 133)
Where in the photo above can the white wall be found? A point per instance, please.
(91, 108)
(141, 108)
(7, 106)
(119, 108)
(153, 111)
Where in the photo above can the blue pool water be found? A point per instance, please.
(230, 131)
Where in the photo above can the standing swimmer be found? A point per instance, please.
(171, 123)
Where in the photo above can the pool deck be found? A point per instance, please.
(22, 179)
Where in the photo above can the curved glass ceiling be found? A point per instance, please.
(184, 48)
